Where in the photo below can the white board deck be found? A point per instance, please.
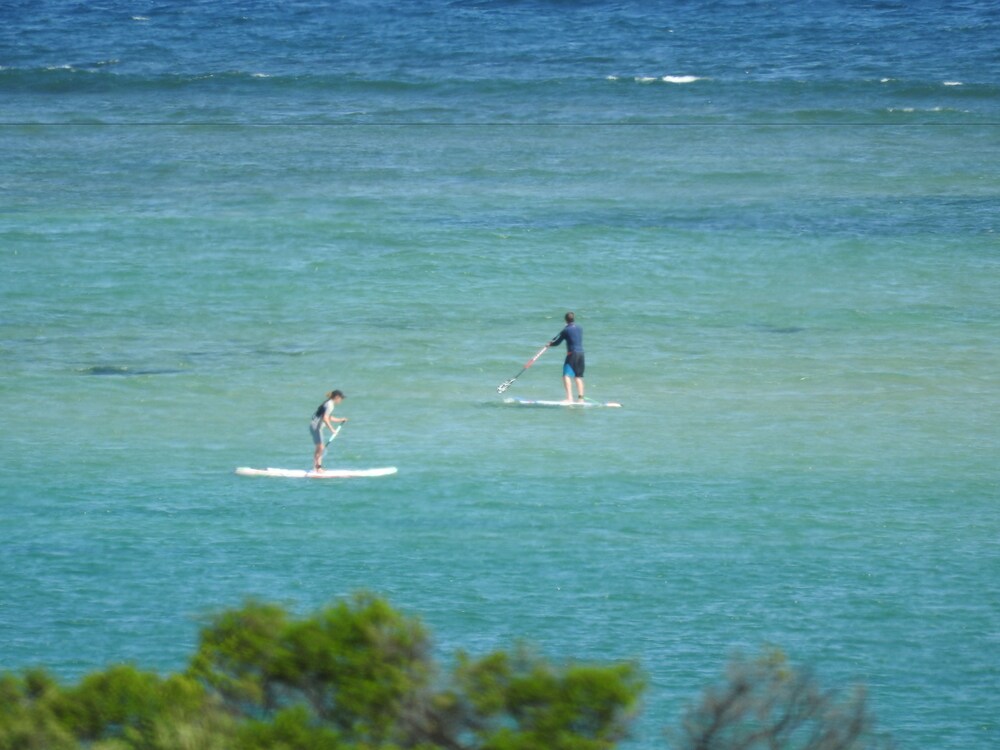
(383, 471)
(564, 404)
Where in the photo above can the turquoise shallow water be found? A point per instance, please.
(787, 274)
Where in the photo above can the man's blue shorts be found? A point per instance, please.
(574, 365)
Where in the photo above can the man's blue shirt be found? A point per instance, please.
(572, 335)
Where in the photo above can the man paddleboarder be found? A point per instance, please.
(573, 366)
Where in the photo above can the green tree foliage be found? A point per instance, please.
(356, 667)
(27, 720)
(111, 710)
(358, 675)
(520, 702)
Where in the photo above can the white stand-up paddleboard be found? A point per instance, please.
(246, 471)
(587, 404)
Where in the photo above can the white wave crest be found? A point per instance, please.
(663, 79)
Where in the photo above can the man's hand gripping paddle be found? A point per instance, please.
(508, 383)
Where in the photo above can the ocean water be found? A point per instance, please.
(777, 225)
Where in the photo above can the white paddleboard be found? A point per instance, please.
(565, 404)
(246, 471)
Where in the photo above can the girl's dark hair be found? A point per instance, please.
(334, 394)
